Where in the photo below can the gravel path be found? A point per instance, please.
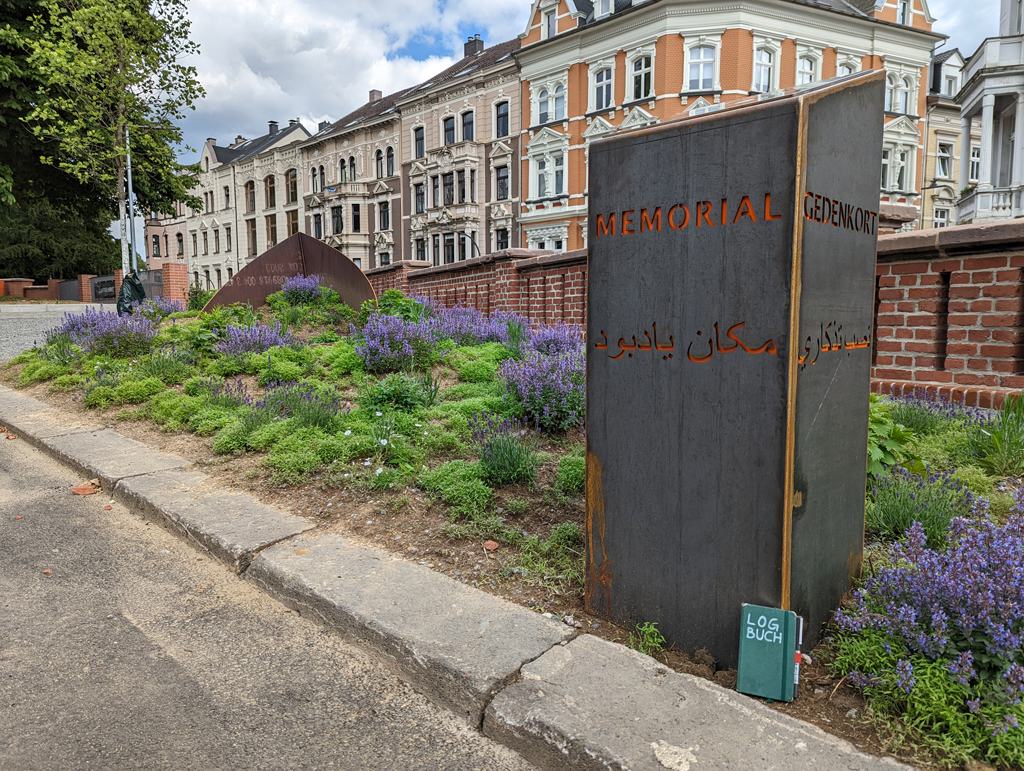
(19, 331)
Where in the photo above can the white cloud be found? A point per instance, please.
(966, 23)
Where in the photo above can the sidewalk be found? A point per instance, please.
(55, 308)
(526, 680)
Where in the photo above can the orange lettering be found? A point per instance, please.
(768, 208)
(686, 216)
(725, 211)
(648, 223)
(808, 213)
(603, 226)
(746, 210)
(705, 213)
(627, 223)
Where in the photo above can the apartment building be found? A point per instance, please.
(252, 193)
(165, 237)
(589, 69)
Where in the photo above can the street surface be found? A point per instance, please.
(20, 331)
(123, 648)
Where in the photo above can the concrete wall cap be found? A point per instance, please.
(958, 239)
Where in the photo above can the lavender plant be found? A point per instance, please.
(220, 392)
(548, 391)
(559, 339)
(927, 412)
(157, 308)
(97, 331)
(258, 338)
(392, 344)
(900, 498)
(308, 405)
(302, 290)
(504, 447)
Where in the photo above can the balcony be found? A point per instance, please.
(996, 52)
(999, 203)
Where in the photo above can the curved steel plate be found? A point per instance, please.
(297, 254)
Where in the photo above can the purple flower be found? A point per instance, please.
(257, 338)
(550, 390)
(97, 331)
(302, 289)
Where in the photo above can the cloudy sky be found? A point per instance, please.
(316, 60)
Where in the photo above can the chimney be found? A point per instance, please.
(474, 46)
(375, 95)
(273, 126)
(239, 139)
(292, 121)
(212, 141)
(323, 124)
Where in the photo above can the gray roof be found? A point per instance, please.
(253, 147)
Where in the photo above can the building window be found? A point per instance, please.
(181, 244)
(642, 78)
(975, 164)
(435, 191)
(292, 220)
(449, 130)
(195, 245)
(358, 262)
(227, 239)
(462, 247)
(702, 68)
(542, 179)
(944, 161)
(291, 179)
(230, 274)
(559, 174)
(322, 179)
(550, 24)
(901, 171)
(356, 224)
(313, 180)
(217, 271)
(227, 197)
(462, 186)
(421, 249)
(437, 249)
(940, 218)
(269, 192)
(903, 12)
(337, 220)
(501, 239)
(543, 107)
(420, 198)
(467, 126)
(417, 141)
(206, 243)
(206, 275)
(156, 246)
(391, 162)
(167, 246)
(250, 196)
(898, 94)
(885, 169)
(271, 230)
(603, 7)
(952, 85)
(250, 236)
(318, 226)
(195, 277)
(343, 171)
(603, 92)
(380, 164)
(448, 182)
(846, 69)
(216, 242)
(385, 215)
(501, 175)
(905, 92)
(385, 258)
(472, 185)
(502, 119)
(352, 168)
(804, 70)
(763, 70)
(449, 248)
(559, 102)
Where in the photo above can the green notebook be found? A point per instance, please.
(769, 652)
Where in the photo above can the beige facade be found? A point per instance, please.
(252, 193)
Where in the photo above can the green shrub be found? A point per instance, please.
(269, 434)
(197, 298)
(647, 639)
(505, 450)
(137, 391)
(1000, 444)
(230, 439)
(516, 507)
(463, 391)
(280, 370)
(225, 366)
(173, 410)
(330, 336)
(294, 458)
(100, 397)
(888, 442)
(900, 498)
(169, 367)
(210, 420)
(342, 358)
(571, 476)
(395, 391)
(477, 371)
(64, 383)
(40, 370)
(459, 484)
(974, 479)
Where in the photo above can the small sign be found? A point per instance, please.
(769, 652)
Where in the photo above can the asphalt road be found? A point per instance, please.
(19, 331)
(122, 648)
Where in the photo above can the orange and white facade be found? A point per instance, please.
(591, 69)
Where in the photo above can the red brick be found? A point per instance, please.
(892, 294)
(982, 277)
(904, 361)
(962, 349)
(998, 321)
(931, 293)
(979, 335)
(902, 268)
(1009, 305)
(981, 306)
(958, 306)
(961, 320)
(894, 321)
(886, 281)
(923, 320)
(959, 278)
(926, 333)
(1006, 336)
(1000, 351)
(883, 361)
(930, 279)
(931, 306)
(883, 332)
(894, 374)
(1003, 290)
(980, 263)
(945, 266)
(953, 364)
(956, 334)
(985, 399)
(969, 292)
(981, 365)
(886, 308)
(1004, 366)
(1016, 381)
(964, 378)
(904, 334)
(921, 347)
(934, 376)
(883, 345)
(1017, 262)
(1008, 275)
(881, 270)
(927, 362)
(908, 306)
(908, 280)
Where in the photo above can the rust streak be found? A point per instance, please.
(599, 572)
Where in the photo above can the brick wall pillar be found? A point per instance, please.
(118, 280)
(175, 282)
(53, 289)
(85, 287)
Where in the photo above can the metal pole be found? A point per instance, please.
(131, 206)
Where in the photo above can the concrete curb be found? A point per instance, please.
(562, 703)
(50, 309)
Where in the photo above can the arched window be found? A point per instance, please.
(559, 102)
(352, 168)
(380, 164)
(323, 185)
(391, 162)
(250, 196)
(501, 113)
(642, 87)
(292, 183)
(702, 68)
(846, 69)
(269, 193)
(906, 91)
(343, 169)
(206, 164)
(804, 70)
(764, 62)
(603, 89)
(181, 244)
(313, 180)
(543, 107)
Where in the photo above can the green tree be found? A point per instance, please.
(107, 67)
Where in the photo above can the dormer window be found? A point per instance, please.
(550, 24)
(951, 85)
(903, 12)
(604, 7)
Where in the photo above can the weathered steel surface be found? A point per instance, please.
(701, 426)
(298, 254)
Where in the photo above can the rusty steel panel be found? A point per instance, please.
(298, 254)
(705, 427)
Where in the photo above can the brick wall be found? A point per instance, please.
(175, 282)
(949, 311)
(85, 287)
(545, 287)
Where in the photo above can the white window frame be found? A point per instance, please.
(704, 41)
(633, 72)
(886, 167)
(546, 18)
(543, 107)
(602, 66)
(946, 157)
(774, 47)
(603, 8)
(940, 222)
(898, 164)
(946, 81)
(802, 72)
(904, 13)
(974, 172)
